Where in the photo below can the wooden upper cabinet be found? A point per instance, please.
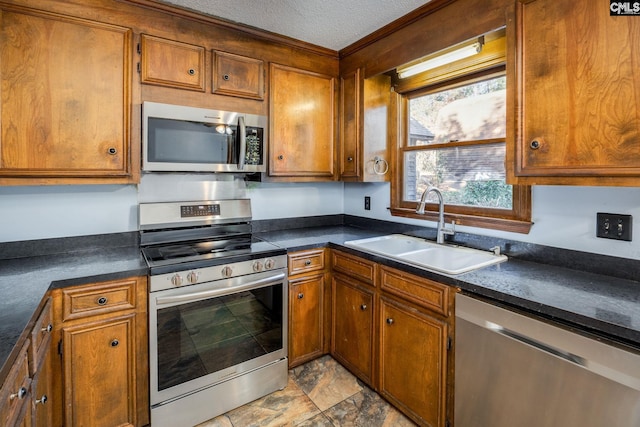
(577, 91)
(66, 99)
(172, 63)
(237, 75)
(302, 124)
(365, 108)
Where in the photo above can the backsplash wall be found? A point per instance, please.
(563, 217)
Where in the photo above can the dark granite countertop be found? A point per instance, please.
(24, 281)
(592, 302)
(595, 303)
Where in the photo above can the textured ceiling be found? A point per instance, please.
(333, 24)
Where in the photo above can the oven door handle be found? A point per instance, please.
(197, 296)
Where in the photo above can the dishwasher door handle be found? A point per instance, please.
(570, 357)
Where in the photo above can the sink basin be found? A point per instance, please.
(446, 259)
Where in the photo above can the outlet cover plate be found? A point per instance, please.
(614, 226)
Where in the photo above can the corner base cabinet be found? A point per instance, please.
(102, 346)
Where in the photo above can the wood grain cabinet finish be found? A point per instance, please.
(416, 327)
(306, 317)
(413, 362)
(172, 63)
(577, 90)
(15, 394)
(66, 99)
(352, 331)
(365, 112)
(301, 124)
(237, 75)
(309, 306)
(102, 373)
(25, 396)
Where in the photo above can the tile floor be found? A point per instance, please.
(320, 393)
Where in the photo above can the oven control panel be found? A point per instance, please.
(219, 272)
(188, 211)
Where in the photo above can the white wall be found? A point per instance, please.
(563, 216)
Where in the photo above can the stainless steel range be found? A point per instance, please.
(217, 310)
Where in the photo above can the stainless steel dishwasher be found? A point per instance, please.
(512, 370)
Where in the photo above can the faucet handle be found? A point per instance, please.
(496, 250)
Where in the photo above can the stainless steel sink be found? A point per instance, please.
(422, 253)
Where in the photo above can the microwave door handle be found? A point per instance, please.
(243, 142)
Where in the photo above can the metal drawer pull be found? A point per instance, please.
(115, 343)
(20, 394)
(102, 300)
(363, 307)
(192, 71)
(112, 151)
(44, 399)
(47, 328)
(390, 321)
(300, 295)
(307, 262)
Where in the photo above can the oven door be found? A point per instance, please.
(203, 334)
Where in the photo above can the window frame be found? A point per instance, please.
(517, 219)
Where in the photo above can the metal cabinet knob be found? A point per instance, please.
(225, 77)
(390, 321)
(192, 72)
(20, 394)
(349, 159)
(363, 307)
(535, 144)
(280, 157)
(112, 150)
(115, 343)
(300, 295)
(102, 300)
(44, 399)
(47, 328)
(307, 263)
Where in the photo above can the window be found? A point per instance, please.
(455, 139)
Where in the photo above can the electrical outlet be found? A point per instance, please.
(614, 226)
(367, 203)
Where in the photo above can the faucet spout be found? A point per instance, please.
(442, 229)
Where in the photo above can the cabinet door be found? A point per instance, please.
(352, 327)
(100, 373)
(350, 125)
(302, 131)
(172, 63)
(413, 362)
(237, 75)
(66, 104)
(42, 410)
(578, 105)
(306, 301)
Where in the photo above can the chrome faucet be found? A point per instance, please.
(442, 227)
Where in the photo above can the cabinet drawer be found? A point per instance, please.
(14, 395)
(424, 292)
(98, 299)
(303, 262)
(40, 337)
(354, 266)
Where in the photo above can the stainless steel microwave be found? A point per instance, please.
(186, 139)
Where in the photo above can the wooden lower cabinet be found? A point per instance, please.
(42, 408)
(352, 326)
(413, 361)
(309, 306)
(393, 330)
(101, 372)
(306, 335)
